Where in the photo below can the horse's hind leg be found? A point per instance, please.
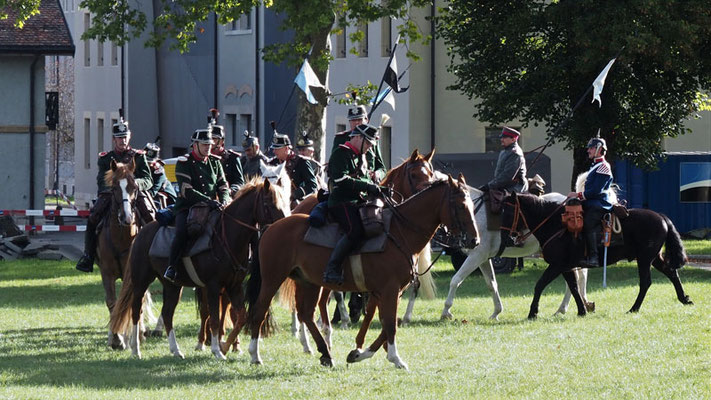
(305, 306)
(569, 277)
(201, 299)
(388, 317)
(673, 276)
(114, 340)
(357, 354)
(325, 322)
(171, 296)
(472, 262)
(645, 281)
(548, 275)
(487, 271)
(414, 287)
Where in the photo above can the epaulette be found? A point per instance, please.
(230, 151)
(139, 151)
(215, 156)
(183, 158)
(103, 153)
(343, 133)
(343, 146)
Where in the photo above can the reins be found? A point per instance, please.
(223, 234)
(514, 224)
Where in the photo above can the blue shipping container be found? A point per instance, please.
(680, 188)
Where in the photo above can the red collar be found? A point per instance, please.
(599, 159)
(197, 156)
(350, 146)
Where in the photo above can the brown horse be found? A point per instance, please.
(224, 267)
(283, 253)
(411, 176)
(119, 228)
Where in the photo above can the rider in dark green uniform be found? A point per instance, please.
(350, 182)
(161, 184)
(305, 148)
(230, 159)
(122, 153)
(357, 116)
(299, 169)
(200, 179)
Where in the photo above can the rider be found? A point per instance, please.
(200, 179)
(160, 182)
(510, 172)
(229, 158)
(350, 182)
(252, 157)
(299, 169)
(122, 153)
(305, 148)
(357, 116)
(595, 198)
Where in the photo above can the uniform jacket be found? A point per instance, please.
(373, 157)
(301, 174)
(142, 174)
(510, 173)
(200, 181)
(232, 166)
(250, 166)
(597, 184)
(349, 176)
(160, 182)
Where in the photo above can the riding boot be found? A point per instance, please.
(334, 268)
(86, 262)
(592, 239)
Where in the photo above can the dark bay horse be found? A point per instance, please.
(644, 231)
(283, 253)
(224, 267)
(120, 226)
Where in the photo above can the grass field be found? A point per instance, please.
(53, 345)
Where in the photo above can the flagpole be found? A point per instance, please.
(570, 114)
(293, 87)
(382, 80)
(375, 105)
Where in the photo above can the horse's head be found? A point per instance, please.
(458, 214)
(124, 190)
(273, 204)
(413, 175)
(278, 176)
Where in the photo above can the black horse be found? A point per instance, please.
(644, 232)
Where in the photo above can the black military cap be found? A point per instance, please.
(249, 141)
(203, 136)
(120, 129)
(304, 141)
(357, 112)
(369, 132)
(279, 141)
(152, 151)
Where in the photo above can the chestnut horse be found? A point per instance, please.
(283, 253)
(114, 241)
(644, 231)
(223, 267)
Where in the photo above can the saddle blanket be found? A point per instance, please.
(329, 234)
(160, 248)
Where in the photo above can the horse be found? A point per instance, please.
(490, 244)
(283, 253)
(256, 205)
(411, 176)
(114, 240)
(644, 232)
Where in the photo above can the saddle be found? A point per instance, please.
(160, 247)
(329, 234)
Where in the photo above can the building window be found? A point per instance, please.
(386, 36)
(114, 54)
(341, 44)
(87, 143)
(100, 135)
(386, 145)
(87, 47)
(244, 23)
(99, 53)
(245, 122)
(493, 138)
(363, 43)
(231, 130)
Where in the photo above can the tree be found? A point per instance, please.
(312, 21)
(532, 60)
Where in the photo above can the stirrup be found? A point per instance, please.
(170, 274)
(85, 264)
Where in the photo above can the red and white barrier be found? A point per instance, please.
(53, 228)
(49, 213)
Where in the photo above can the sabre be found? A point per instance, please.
(607, 229)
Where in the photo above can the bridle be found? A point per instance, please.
(117, 204)
(515, 233)
(418, 164)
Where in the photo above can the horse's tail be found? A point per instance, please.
(674, 255)
(427, 284)
(287, 292)
(253, 287)
(120, 321)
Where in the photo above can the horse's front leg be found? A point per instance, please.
(305, 307)
(325, 321)
(548, 275)
(487, 271)
(171, 296)
(569, 277)
(213, 301)
(388, 317)
(472, 262)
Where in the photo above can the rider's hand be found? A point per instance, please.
(214, 204)
(373, 189)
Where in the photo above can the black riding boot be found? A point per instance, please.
(334, 268)
(592, 239)
(86, 262)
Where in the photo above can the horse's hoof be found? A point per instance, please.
(219, 356)
(326, 361)
(224, 348)
(446, 315)
(633, 310)
(687, 301)
(353, 356)
(200, 347)
(402, 322)
(494, 317)
(582, 314)
(236, 349)
(590, 306)
(532, 317)
(179, 355)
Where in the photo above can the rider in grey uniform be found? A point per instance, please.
(252, 157)
(510, 173)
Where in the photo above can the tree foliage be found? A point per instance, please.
(532, 60)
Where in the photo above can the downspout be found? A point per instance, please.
(432, 77)
(256, 71)
(123, 77)
(215, 61)
(32, 134)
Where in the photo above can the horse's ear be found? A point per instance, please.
(429, 156)
(113, 165)
(132, 166)
(414, 155)
(451, 180)
(461, 179)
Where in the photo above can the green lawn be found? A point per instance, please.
(698, 246)
(53, 345)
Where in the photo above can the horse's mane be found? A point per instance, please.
(430, 186)
(257, 183)
(538, 205)
(398, 171)
(611, 192)
(122, 172)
